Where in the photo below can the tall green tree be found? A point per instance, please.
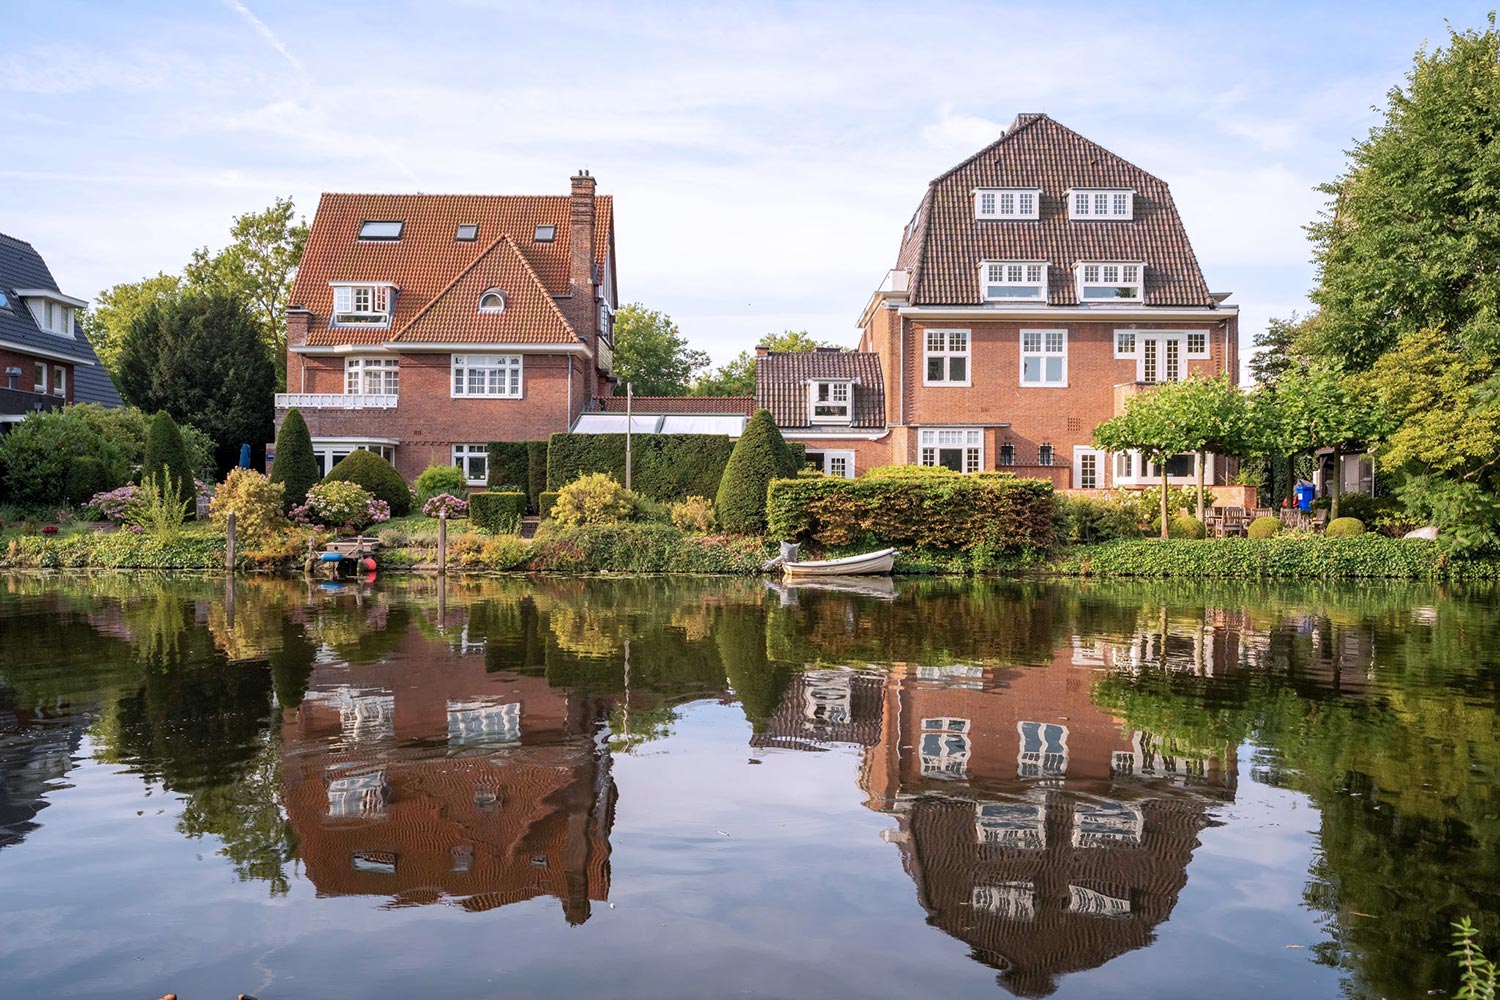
(737, 377)
(759, 456)
(166, 457)
(1321, 407)
(114, 309)
(1412, 231)
(1153, 426)
(295, 465)
(201, 358)
(652, 354)
(258, 265)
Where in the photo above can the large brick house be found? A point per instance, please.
(45, 359)
(424, 326)
(1040, 283)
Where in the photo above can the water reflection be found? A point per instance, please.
(1051, 759)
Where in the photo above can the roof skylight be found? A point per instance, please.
(545, 234)
(381, 229)
(467, 233)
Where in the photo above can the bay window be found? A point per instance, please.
(946, 358)
(958, 448)
(371, 376)
(1044, 357)
(491, 376)
(474, 459)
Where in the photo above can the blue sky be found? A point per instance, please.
(764, 157)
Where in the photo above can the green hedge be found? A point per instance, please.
(950, 512)
(115, 550)
(499, 513)
(536, 473)
(666, 467)
(644, 548)
(544, 503)
(508, 466)
(1282, 556)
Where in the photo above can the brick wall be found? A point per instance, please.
(15, 359)
(867, 454)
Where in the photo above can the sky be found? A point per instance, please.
(763, 156)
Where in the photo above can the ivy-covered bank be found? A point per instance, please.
(1289, 557)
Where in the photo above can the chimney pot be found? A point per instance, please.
(761, 350)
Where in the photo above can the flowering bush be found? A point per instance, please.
(337, 504)
(49, 529)
(115, 504)
(378, 511)
(446, 503)
(694, 515)
(255, 500)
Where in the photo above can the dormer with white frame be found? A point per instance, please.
(830, 401)
(1101, 204)
(1013, 280)
(363, 303)
(1101, 282)
(1007, 203)
(52, 310)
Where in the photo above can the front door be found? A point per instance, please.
(1088, 468)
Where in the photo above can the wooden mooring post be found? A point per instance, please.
(229, 545)
(442, 542)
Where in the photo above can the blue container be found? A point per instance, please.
(1304, 495)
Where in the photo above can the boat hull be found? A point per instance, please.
(865, 564)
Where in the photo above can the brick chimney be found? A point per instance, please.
(582, 311)
(761, 350)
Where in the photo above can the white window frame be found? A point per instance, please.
(930, 446)
(831, 456)
(1198, 355)
(363, 303)
(59, 380)
(508, 367)
(1122, 352)
(1042, 764)
(1154, 356)
(1109, 274)
(834, 386)
(495, 310)
(39, 376)
(1048, 344)
(461, 455)
(1013, 274)
(1101, 204)
(949, 761)
(1007, 203)
(360, 370)
(327, 448)
(1131, 468)
(1101, 466)
(946, 352)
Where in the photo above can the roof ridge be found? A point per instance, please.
(17, 239)
(444, 194)
(1016, 127)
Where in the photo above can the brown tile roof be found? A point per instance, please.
(427, 259)
(944, 247)
(678, 404)
(781, 379)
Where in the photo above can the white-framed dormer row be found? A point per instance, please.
(363, 303)
(1095, 282)
(1085, 204)
(1007, 203)
(1101, 204)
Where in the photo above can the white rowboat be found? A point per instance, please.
(865, 564)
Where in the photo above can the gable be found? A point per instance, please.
(529, 315)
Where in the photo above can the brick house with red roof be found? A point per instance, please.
(1040, 283)
(425, 326)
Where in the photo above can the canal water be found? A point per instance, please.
(687, 788)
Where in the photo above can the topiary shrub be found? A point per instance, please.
(377, 476)
(165, 452)
(1264, 527)
(510, 468)
(1345, 527)
(593, 499)
(497, 513)
(87, 476)
(694, 514)
(1183, 526)
(759, 456)
(664, 467)
(439, 479)
(257, 502)
(296, 468)
(545, 501)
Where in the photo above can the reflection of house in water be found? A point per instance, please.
(1036, 830)
(428, 778)
(822, 707)
(36, 753)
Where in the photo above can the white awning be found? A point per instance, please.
(614, 423)
(731, 424)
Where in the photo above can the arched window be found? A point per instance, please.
(492, 301)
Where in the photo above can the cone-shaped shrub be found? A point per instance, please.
(376, 475)
(165, 452)
(295, 466)
(759, 456)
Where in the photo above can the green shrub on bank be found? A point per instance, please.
(296, 467)
(759, 456)
(257, 502)
(546, 500)
(37, 451)
(594, 499)
(1345, 527)
(377, 476)
(1090, 520)
(87, 476)
(471, 551)
(536, 474)
(1183, 526)
(166, 455)
(643, 548)
(952, 512)
(1284, 556)
(497, 513)
(116, 550)
(436, 480)
(1264, 527)
(694, 514)
(664, 467)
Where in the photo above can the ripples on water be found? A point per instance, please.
(689, 788)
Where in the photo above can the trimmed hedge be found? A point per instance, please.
(536, 473)
(759, 457)
(508, 466)
(1183, 526)
(1285, 556)
(375, 474)
(499, 513)
(1345, 527)
(643, 548)
(666, 467)
(941, 513)
(545, 503)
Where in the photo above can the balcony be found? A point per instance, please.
(1125, 390)
(605, 356)
(335, 401)
(18, 402)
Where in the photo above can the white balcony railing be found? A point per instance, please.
(335, 401)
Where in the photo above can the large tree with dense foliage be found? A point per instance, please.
(737, 377)
(1410, 238)
(114, 309)
(652, 354)
(1320, 407)
(201, 358)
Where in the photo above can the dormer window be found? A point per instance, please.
(1007, 203)
(830, 402)
(1115, 204)
(467, 233)
(492, 301)
(381, 230)
(4, 302)
(1013, 281)
(362, 305)
(545, 234)
(1109, 281)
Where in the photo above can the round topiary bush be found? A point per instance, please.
(296, 468)
(759, 456)
(1264, 527)
(1183, 526)
(377, 476)
(1345, 527)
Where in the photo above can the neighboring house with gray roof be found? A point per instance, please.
(45, 359)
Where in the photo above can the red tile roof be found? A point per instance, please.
(782, 377)
(427, 259)
(945, 245)
(529, 317)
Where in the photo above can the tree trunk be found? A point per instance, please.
(1202, 460)
(1289, 488)
(1164, 498)
(1338, 484)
